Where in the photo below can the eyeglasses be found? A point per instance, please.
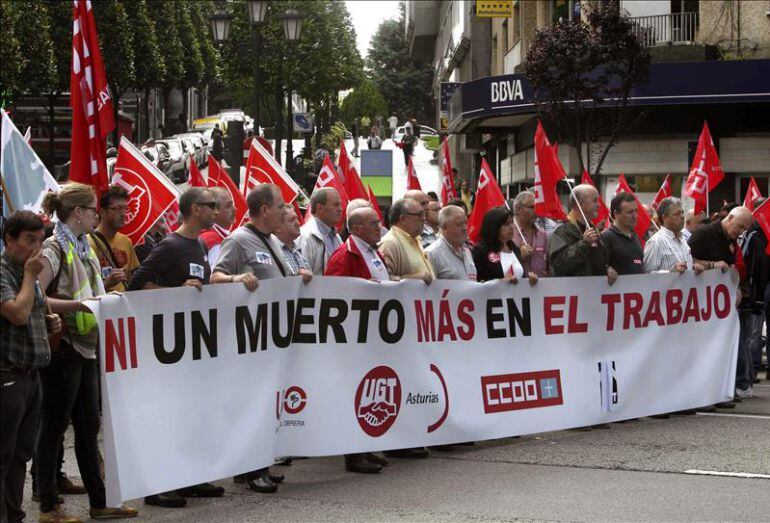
(121, 208)
(421, 213)
(87, 207)
(210, 205)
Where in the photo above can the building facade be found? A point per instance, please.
(711, 61)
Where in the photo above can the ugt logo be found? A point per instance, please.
(378, 401)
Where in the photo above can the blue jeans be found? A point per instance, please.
(749, 338)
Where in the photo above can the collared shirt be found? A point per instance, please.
(428, 236)
(709, 243)
(376, 267)
(214, 238)
(623, 251)
(22, 347)
(294, 257)
(664, 250)
(450, 264)
(404, 255)
(330, 237)
(538, 260)
(245, 251)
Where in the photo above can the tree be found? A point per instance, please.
(364, 101)
(405, 83)
(10, 53)
(150, 69)
(193, 64)
(199, 14)
(117, 44)
(61, 39)
(582, 74)
(171, 51)
(38, 66)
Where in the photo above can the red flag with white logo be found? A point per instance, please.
(548, 172)
(448, 191)
(705, 172)
(196, 177)
(643, 221)
(375, 205)
(663, 192)
(218, 177)
(762, 216)
(150, 193)
(752, 194)
(328, 177)
(90, 100)
(263, 168)
(412, 182)
(488, 196)
(604, 213)
(353, 185)
(173, 217)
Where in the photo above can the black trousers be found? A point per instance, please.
(70, 389)
(20, 398)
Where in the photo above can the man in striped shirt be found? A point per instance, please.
(667, 250)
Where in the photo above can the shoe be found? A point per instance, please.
(204, 490)
(725, 405)
(661, 416)
(416, 453)
(744, 394)
(36, 498)
(443, 448)
(358, 463)
(276, 477)
(166, 500)
(468, 443)
(113, 512)
(240, 478)
(66, 486)
(707, 408)
(376, 459)
(688, 412)
(283, 462)
(262, 485)
(58, 515)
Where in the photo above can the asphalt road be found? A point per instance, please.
(633, 471)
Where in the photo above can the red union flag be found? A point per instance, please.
(375, 205)
(218, 177)
(412, 182)
(488, 196)
(328, 177)
(354, 187)
(604, 212)
(548, 172)
(705, 171)
(663, 192)
(448, 191)
(261, 167)
(643, 221)
(762, 215)
(196, 177)
(752, 194)
(90, 100)
(150, 193)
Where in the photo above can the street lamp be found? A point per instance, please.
(292, 29)
(257, 11)
(220, 24)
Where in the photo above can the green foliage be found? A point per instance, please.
(331, 140)
(149, 66)
(171, 51)
(37, 65)
(10, 52)
(431, 142)
(61, 38)
(365, 101)
(199, 15)
(405, 83)
(117, 44)
(193, 62)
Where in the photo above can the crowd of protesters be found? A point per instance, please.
(49, 338)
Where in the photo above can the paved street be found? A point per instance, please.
(633, 471)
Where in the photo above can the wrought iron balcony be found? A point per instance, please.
(671, 29)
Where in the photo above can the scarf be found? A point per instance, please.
(65, 237)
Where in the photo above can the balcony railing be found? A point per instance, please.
(671, 29)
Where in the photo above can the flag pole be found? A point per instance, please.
(6, 196)
(519, 229)
(572, 192)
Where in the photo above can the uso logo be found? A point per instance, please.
(378, 401)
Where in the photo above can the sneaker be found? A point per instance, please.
(58, 515)
(66, 486)
(204, 490)
(744, 394)
(113, 512)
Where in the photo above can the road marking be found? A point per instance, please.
(730, 474)
(728, 415)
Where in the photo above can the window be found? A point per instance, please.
(505, 36)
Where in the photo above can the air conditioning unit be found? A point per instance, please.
(470, 143)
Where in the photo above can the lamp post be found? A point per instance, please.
(292, 30)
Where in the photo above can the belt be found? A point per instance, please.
(21, 372)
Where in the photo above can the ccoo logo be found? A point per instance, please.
(378, 401)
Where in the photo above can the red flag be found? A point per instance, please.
(448, 191)
(604, 212)
(762, 216)
(375, 205)
(663, 192)
(548, 172)
(90, 100)
(705, 171)
(261, 167)
(196, 177)
(328, 177)
(412, 182)
(218, 177)
(643, 221)
(173, 217)
(752, 194)
(488, 196)
(354, 187)
(150, 193)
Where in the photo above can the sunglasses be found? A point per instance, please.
(210, 205)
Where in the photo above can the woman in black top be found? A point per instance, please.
(496, 243)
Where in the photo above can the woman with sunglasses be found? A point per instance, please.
(496, 256)
(71, 276)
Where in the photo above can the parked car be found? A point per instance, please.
(208, 123)
(201, 150)
(178, 155)
(205, 134)
(158, 154)
(189, 148)
(424, 131)
(229, 115)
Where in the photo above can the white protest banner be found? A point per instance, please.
(198, 386)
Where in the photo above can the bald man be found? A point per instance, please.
(428, 235)
(575, 248)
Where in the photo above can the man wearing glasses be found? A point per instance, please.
(115, 251)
